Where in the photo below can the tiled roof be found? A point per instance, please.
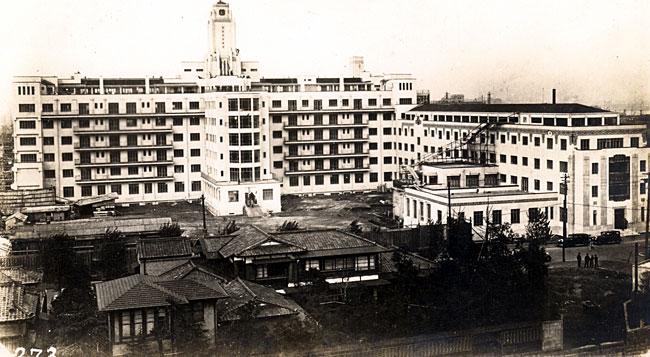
(16, 303)
(194, 290)
(190, 270)
(138, 291)
(92, 227)
(252, 241)
(269, 247)
(211, 246)
(20, 275)
(571, 108)
(268, 302)
(134, 291)
(157, 267)
(152, 248)
(323, 239)
(96, 199)
(246, 237)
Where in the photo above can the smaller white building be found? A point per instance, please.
(474, 193)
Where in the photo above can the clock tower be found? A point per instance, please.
(223, 59)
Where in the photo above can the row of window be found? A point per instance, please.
(85, 123)
(113, 108)
(546, 121)
(334, 179)
(26, 90)
(131, 189)
(292, 104)
(267, 195)
(116, 171)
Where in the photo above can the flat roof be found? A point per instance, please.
(483, 191)
(570, 108)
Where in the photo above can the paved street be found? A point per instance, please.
(623, 252)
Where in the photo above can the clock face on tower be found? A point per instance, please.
(222, 12)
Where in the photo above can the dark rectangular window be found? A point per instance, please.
(28, 158)
(29, 141)
(26, 108)
(478, 218)
(27, 124)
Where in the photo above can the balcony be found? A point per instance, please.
(121, 179)
(324, 155)
(327, 126)
(329, 110)
(124, 129)
(328, 170)
(124, 163)
(324, 141)
(141, 146)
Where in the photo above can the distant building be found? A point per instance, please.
(6, 157)
(423, 97)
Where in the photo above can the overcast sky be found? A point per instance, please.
(592, 51)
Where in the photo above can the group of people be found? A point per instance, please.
(590, 261)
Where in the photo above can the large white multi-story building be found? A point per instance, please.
(223, 130)
(218, 129)
(533, 146)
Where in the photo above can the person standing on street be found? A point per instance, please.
(579, 259)
(596, 261)
(587, 260)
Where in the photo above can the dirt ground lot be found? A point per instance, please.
(572, 288)
(335, 211)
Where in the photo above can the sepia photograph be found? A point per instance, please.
(312, 178)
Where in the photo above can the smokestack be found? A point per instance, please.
(553, 96)
(489, 100)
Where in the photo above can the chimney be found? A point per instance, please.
(553, 96)
(489, 100)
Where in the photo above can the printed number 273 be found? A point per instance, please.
(34, 352)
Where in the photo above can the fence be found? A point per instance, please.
(428, 238)
(502, 339)
(86, 255)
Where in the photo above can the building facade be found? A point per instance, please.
(217, 129)
(223, 130)
(534, 146)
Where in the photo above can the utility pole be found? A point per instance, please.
(205, 229)
(636, 267)
(647, 213)
(448, 203)
(565, 215)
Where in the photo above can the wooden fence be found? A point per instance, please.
(422, 239)
(498, 340)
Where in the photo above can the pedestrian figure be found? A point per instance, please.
(595, 260)
(579, 258)
(587, 260)
(591, 245)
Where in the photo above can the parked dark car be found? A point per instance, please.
(574, 240)
(608, 237)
